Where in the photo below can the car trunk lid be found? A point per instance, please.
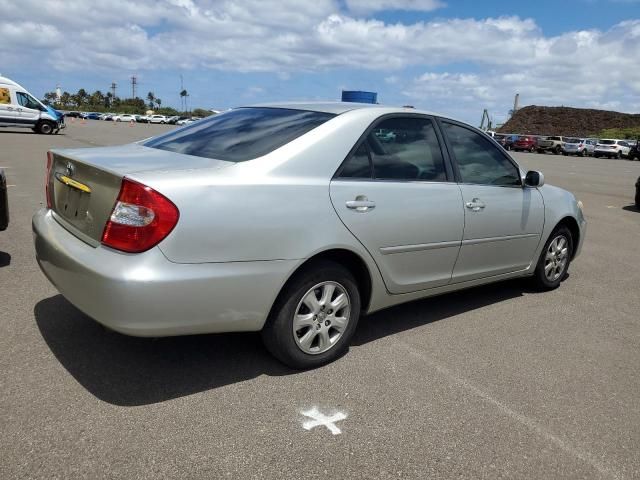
(84, 184)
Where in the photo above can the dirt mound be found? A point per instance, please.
(567, 121)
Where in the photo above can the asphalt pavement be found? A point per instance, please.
(494, 382)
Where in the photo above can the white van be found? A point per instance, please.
(18, 108)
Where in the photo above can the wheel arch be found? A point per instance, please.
(572, 224)
(347, 258)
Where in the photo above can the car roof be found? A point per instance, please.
(339, 107)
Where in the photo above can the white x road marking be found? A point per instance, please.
(319, 419)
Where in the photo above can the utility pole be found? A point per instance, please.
(113, 89)
(134, 83)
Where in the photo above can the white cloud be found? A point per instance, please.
(285, 37)
(370, 6)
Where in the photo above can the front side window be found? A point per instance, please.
(27, 101)
(242, 134)
(479, 161)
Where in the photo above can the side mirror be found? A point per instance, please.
(534, 179)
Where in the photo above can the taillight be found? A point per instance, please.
(47, 192)
(141, 218)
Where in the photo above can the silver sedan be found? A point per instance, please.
(294, 220)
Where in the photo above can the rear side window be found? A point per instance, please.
(241, 134)
(5, 96)
(480, 161)
(399, 148)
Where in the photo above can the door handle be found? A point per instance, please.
(475, 205)
(10, 109)
(361, 204)
(19, 109)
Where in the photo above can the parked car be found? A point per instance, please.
(551, 144)
(611, 148)
(4, 202)
(142, 118)
(174, 119)
(206, 228)
(158, 119)
(20, 109)
(506, 140)
(526, 143)
(579, 146)
(72, 114)
(90, 115)
(634, 151)
(126, 117)
(187, 121)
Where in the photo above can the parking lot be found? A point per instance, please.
(498, 381)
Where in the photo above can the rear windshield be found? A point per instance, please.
(573, 140)
(554, 138)
(241, 134)
(608, 142)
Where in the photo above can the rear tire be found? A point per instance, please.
(45, 128)
(557, 150)
(619, 156)
(303, 333)
(554, 260)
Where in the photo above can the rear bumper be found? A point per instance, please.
(147, 295)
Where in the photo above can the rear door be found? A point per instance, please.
(503, 220)
(397, 195)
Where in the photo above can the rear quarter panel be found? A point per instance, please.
(273, 208)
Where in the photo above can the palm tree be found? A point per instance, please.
(65, 99)
(151, 97)
(81, 97)
(158, 102)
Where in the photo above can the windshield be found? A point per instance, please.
(573, 140)
(608, 142)
(241, 134)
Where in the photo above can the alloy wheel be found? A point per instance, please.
(555, 261)
(321, 317)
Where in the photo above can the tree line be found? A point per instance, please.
(107, 102)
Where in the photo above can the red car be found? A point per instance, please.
(527, 143)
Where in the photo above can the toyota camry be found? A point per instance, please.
(295, 220)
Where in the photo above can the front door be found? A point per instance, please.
(28, 108)
(394, 194)
(503, 219)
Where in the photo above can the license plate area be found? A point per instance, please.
(73, 204)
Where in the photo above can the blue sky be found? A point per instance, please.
(455, 57)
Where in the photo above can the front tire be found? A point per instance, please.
(554, 260)
(45, 128)
(314, 317)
